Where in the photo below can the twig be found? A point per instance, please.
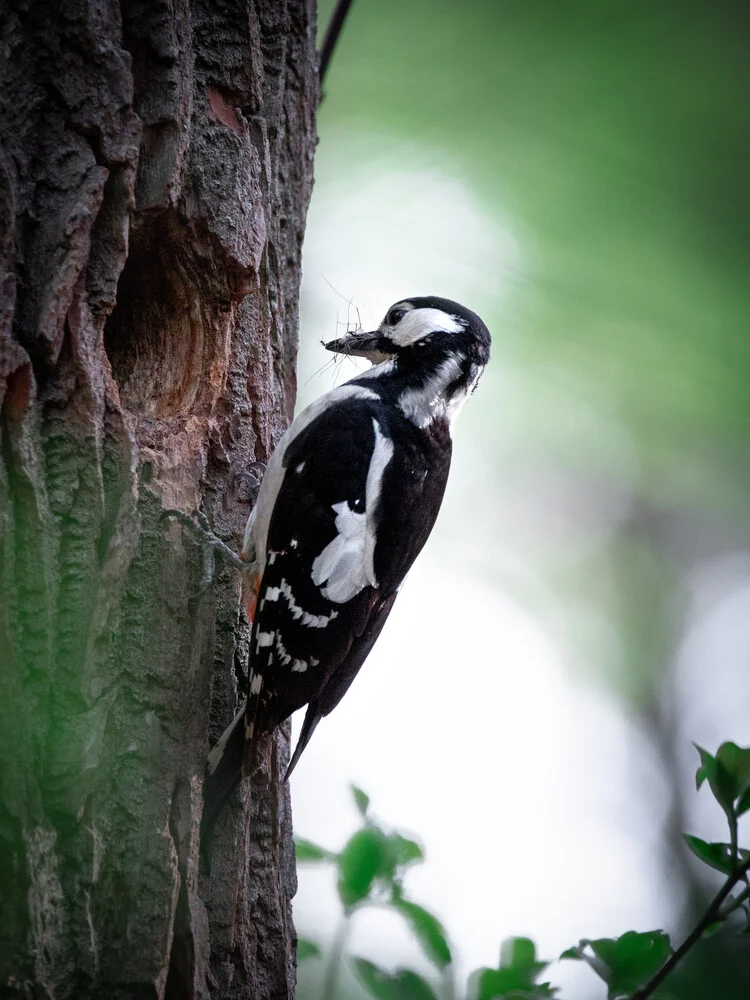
(708, 918)
(733, 838)
(737, 902)
(332, 36)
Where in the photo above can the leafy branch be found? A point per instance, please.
(635, 965)
(373, 863)
(371, 869)
(712, 915)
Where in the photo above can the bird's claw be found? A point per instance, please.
(198, 524)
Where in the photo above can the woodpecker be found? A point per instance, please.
(348, 500)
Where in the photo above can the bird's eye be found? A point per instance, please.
(395, 316)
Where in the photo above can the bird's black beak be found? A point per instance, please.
(360, 344)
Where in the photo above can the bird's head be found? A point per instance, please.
(419, 331)
(435, 351)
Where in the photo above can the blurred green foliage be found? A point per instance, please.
(372, 864)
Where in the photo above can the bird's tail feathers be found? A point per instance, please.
(223, 770)
(312, 718)
(249, 729)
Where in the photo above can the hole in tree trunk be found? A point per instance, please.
(167, 347)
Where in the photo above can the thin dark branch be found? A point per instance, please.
(332, 36)
(708, 918)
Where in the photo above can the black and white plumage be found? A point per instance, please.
(349, 498)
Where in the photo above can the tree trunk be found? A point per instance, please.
(155, 172)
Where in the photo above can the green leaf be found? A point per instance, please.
(631, 959)
(361, 799)
(520, 952)
(516, 976)
(708, 766)
(579, 953)
(720, 780)
(307, 949)
(403, 984)
(574, 952)
(403, 852)
(398, 854)
(712, 929)
(744, 803)
(306, 851)
(428, 931)
(372, 855)
(360, 862)
(375, 980)
(735, 763)
(718, 856)
(502, 984)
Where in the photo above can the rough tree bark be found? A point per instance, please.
(155, 172)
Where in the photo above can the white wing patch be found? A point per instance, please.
(341, 565)
(256, 529)
(381, 455)
(345, 566)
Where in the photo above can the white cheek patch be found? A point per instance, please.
(418, 323)
(346, 564)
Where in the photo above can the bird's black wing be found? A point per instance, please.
(303, 630)
(353, 510)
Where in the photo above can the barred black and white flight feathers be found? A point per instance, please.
(349, 498)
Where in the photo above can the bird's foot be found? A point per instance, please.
(197, 524)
